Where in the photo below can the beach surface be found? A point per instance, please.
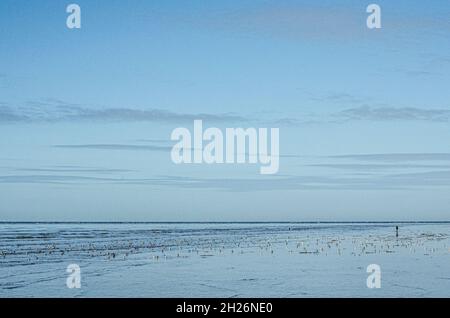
(224, 259)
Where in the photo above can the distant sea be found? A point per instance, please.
(224, 259)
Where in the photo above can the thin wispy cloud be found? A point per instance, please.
(392, 113)
(59, 111)
(404, 181)
(156, 141)
(338, 98)
(366, 108)
(53, 179)
(405, 157)
(116, 147)
(155, 115)
(364, 167)
(7, 115)
(54, 111)
(386, 182)
(73, 169)
(51, 111)
(156, 148)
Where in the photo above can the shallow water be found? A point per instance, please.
(224, 259)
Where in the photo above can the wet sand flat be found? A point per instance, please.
(224, 259)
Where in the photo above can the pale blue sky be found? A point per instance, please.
(86, 115)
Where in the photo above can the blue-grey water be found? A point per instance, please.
(224, 259)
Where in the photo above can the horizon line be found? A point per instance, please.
(219, 222)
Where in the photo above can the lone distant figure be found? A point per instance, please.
(396, 231)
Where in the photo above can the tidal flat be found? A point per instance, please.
(224, 259)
